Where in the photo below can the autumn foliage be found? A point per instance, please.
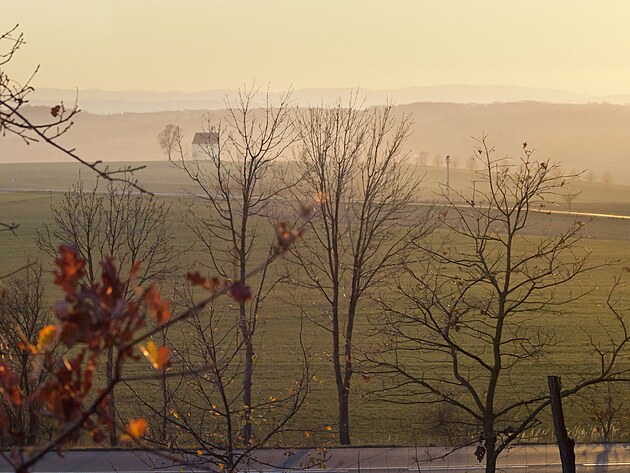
(90, 320)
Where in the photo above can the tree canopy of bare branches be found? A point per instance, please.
(353, 171)
(473, 304)
(169, 139)
(118, 223)
(236, 188)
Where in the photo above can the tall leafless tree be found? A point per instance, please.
(352, 166)
(121, 223)
(236, 190)
(473, 306)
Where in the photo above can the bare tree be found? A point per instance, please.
(352, 163)
(118, 223)
(607, 178)
(607, 411)
(169, 139)
(438, 160)
(472, 308)
(23, 314)
(206, 413)
(570, 196)
(424, 156)
(237, 188)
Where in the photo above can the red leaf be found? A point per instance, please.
(197, 279)
(158, 307)
(70, 268)
(240, 292)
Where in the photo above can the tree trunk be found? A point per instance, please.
(165, 400)
(565, 443)
(247, 377)
(344, 419)
(164, 405)
(247, 391)
(34, 423)
(491, 455)
(342, 392)
(111, 403)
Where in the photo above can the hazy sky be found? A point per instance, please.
(203, 44)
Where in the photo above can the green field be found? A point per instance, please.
(29, 190)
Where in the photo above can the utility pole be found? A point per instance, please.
(448, 176)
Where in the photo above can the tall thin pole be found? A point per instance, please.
(448, 176)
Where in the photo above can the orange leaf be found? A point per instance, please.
(135, 429)
(329, 428)
(133, 277)
(159, 357)
(286, 236)
(25, 345)
(158, 307)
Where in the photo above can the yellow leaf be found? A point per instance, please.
(47, 337)
(199, 452)
(328, 428)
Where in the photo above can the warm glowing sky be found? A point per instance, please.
(577, 45)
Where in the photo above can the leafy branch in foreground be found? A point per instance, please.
(90, 320)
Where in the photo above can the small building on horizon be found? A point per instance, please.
(205, 144)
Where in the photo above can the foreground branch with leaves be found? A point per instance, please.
(91, 320)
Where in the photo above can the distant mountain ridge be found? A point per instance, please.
(139, 101)
(582, 136)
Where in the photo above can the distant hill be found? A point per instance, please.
(103, 101)
(581, 136)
